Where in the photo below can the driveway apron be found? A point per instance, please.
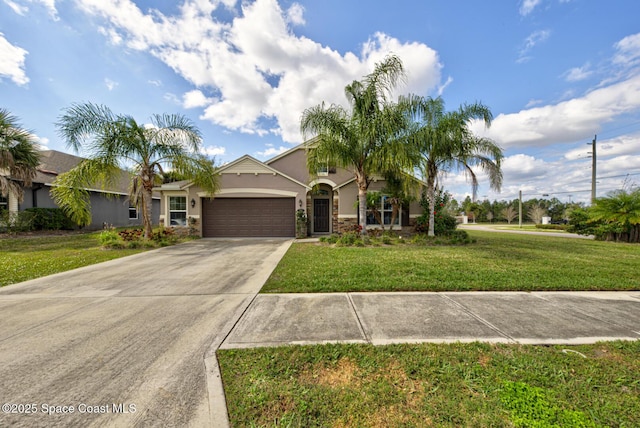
(125, 343)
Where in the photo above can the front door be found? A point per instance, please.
(321, 215)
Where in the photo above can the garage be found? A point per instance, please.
(248, 217)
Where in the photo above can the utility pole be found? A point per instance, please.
(593, 169)
(520, 208)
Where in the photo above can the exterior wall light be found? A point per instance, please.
(193, 203)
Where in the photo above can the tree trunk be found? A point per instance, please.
(431, 194)
(394, 213)
(362, 203)
(147, 201)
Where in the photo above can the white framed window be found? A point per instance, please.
(323, 170)
(177, 210)
(384, 212)
(133, 213)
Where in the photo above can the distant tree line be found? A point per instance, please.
(533, 210)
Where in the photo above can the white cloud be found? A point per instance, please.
(619, 146)
(628, 51)
(442, 87)
(50, 5)
(578, 73)
(567, 121)
(12, 60)
(527, 6)
(214, 150)
(110, 84)
(195, 98)
(530, 42)
(260, 71)
(156, 83)
(521, 167)
(271, 151)
(22, 9)
(173, 98)
(17, 8)
(532, 103)
(295, 14)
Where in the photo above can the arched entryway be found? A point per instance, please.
(321, 209)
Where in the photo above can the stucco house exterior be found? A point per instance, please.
(110, 206)
(260, 199)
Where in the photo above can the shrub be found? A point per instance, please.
(444, 222)
(11, 222)
(165, 236)
(454, 237)
(50, 219)
(110, 239)
(129, 235)
(348, 239)
(330, 239)
(579, 222)
(301, 224)
(551, 226)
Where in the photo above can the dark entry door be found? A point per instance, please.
(321, 215)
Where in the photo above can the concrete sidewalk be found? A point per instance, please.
(411, 317)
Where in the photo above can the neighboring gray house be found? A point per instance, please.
(109, 206)
(261, 198)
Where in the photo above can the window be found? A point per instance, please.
(4, 203)
(177, 210)
(383, 212)
(133, 212)
(326, 169)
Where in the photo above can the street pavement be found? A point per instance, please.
(130, 342)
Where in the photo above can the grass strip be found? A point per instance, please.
(474, 384)
(23, 258)
(495, 262)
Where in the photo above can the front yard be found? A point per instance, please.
(451, 385)
(496, 262)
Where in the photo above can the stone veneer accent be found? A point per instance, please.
(335, 223)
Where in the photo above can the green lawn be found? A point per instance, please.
(24, 258)
(497, 261)
(471, 385)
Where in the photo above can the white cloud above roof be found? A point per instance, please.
(258, 67)
(12, 62)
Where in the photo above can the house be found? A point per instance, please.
(110, 206)
(260, 199)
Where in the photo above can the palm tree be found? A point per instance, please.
(367, 138)
(620, 211)
(509, 213)
(447, 143)
(116, 142)
(19, 156)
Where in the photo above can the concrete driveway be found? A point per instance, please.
(128, 342)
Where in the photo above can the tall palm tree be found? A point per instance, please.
(113, 143)
(19, 156)
(367, 138)
(447, 143)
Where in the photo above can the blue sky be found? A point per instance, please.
(553, 72)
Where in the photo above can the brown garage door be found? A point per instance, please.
(262, 217)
